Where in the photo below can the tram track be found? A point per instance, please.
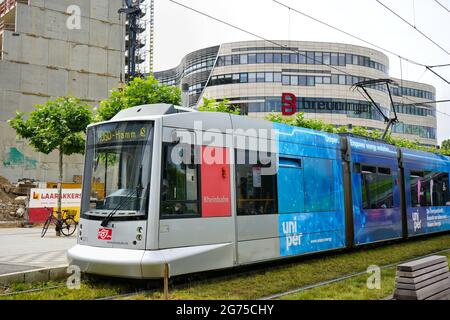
(343, 278)
(265, 269)
(33, 290)
(184, 282)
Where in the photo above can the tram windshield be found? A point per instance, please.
(117, 167)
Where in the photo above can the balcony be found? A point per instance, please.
(8, 5)
(7, 19)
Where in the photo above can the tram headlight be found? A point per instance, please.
(139, 237)
(140, 229)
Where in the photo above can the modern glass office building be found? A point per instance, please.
(254, 74)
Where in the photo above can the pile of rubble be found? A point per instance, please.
(12, 201)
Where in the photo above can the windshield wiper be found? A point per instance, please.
(120, 205)
(136, 192)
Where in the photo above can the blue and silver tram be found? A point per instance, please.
(197, 191)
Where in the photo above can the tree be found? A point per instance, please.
(211, 105)
(57, 125)
(300, 121)
(137, 92)
(446, 144)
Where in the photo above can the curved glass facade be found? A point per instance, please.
(254, 74)
(288, 79)
(352, 108)
(302, 57)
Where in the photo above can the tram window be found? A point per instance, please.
(256, 193)
(369, 169)
(429, 189)
(377, 188)
(179, 186)
(320, 185)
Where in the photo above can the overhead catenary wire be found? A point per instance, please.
(262, 38)
(257, 36)
(444, 7)
(288, 48)
(437, 74)
(413, 26)
(350, 34)
(359, 38)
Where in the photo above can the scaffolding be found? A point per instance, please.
(139, 37)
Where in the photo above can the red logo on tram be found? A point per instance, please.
(104, 234)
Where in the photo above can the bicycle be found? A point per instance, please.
(66, 225)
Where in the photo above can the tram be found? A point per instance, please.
(199, 191)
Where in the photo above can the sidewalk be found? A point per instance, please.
(23, 249)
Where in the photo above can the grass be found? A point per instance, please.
(352, 289)
(298, 273)
(91, 288)
(306, 272)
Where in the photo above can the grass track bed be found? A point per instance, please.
(266, 281)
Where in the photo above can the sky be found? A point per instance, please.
(179, 31)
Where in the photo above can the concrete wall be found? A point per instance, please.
(44, 59)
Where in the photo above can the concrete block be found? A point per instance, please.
(422, 284)
(78, 84)
(12, 46)
(37, 3)
(58, 273)
(421, 263)
(28, 102)
(58, 53)
(9, 104)
(34, 79)
(31, 20)
(100, 9)
(98, 35)
(36, 276)
(425, 292)
(78, 57)
(114, 6)
(63, 5)
(57, 82)
(35, 50)
(24, 18)
(116, 36)
(98, 60)
(422, 271)
(98, 87)
(116, 61)
(11, 278)
(423, 277)
(56, 25)
(10, 75)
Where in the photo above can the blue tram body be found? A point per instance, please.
(374, 165)
(426, 178)
(310, 191)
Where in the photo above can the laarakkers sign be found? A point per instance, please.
(289, 105)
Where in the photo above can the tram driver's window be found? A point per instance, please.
(179, 185)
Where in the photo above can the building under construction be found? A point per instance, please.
(49, 49)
